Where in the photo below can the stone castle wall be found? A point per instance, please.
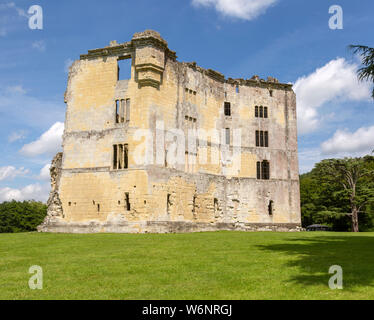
(160, 196)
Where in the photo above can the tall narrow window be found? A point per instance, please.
(270, 207)
(227, 134)
(261, 138)
(117, 111)
(256, 111)
(266, 136)
(168, 203)
(258, 170)
(265, 112)
(115, 156)
(237, 89)
(265, 170)
(227, 107)
(125, 156)
(261, 111)
(257, 138)
(127, 200)
(120, 156)
(122, 110)
(127, 110)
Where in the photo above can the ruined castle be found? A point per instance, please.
(173, 147)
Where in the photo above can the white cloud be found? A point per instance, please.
(347, 143)
(44, 172)
(242, 9)
(36, 191)
(10, 172)
(39, 45)
(48, 143)
(336, 81)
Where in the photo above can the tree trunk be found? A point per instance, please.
(355, 220)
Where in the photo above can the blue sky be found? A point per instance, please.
(288, 39)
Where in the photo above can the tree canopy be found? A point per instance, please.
(16, 216)
(335, 190)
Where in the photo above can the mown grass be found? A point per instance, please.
(218, 265)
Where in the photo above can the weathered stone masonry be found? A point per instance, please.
(97, 186)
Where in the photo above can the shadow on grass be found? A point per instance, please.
(313, 256)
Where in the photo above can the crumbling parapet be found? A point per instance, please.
(54, 210)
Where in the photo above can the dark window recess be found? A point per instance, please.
(124, 69)
(237, 89)
(168, 203)
(98, 207)
(117, 111)
(127, 200)
(120, 156)
(215, 203)
(263, 170)
(266, 139)
(271, 93)
(262, 139)
(261, 112)
(227, 107)
(270, 207)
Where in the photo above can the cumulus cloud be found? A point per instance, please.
(36, 191)
(336, 81)
(242, 9)
(48, 143)
(345, 142)
(10, 172)
(44, 172)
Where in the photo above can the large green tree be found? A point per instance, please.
(16, 216)
(366, 72)
(339, 192)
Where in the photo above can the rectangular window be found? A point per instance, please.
(265, 170)
(261, 111)
(124, 69)
(120, 156)
(127, 110)
(258, 170)
(237, 89)
(262, 138)
(227, 109)
(256, 111)
(227, 134)
(115, 156)
(117, 111)
(122, 110)
(266, 139)
(265, 112)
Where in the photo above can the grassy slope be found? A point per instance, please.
(220, 265)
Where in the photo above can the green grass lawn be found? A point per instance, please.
(218, 265)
